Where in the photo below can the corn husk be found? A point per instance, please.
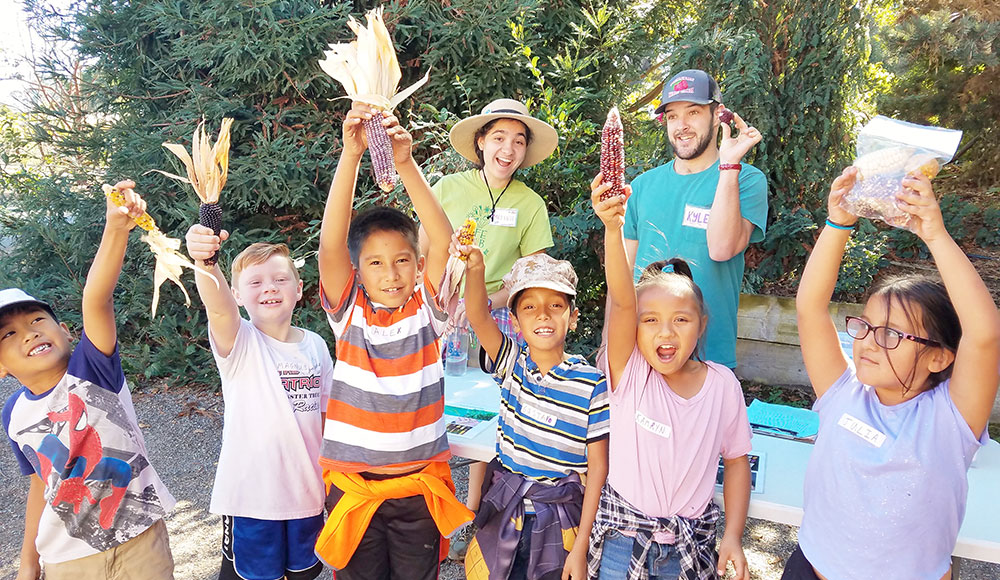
(367, 67)
(170, 263)
(207, 166)
(449, 290)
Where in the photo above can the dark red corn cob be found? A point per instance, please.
(613, 155)
(725, 115)
(380, 148)
(210, 216)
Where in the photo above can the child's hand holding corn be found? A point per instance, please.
(202, 243)
(611, 211)
(132, 207)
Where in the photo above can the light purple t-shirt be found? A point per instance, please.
(885, 484)
(664, 449)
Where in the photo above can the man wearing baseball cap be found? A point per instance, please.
(704, 206)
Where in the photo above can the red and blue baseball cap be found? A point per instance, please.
(692, 86)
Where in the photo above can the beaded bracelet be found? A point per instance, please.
(837, 226)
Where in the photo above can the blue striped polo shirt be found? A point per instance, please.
(546, 421)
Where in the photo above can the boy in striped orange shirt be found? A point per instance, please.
(385, 452)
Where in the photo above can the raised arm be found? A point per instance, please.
(976, 373)
(432, 218)
(821, 352)
(220, 305)
(728, 231)
(98, 294)
(335, 268)
(476, 302)
(621, 317)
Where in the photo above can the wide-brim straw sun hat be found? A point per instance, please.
(544, 138)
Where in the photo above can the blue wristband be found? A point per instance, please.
(837, 226)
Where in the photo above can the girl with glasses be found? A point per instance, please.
(886, 486)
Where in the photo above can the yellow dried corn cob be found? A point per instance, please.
(145, 221)
(925, 163)
(888, 160)
(467, 234)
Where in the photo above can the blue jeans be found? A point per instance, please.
(663, 561)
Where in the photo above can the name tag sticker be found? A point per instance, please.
(862, 429)
(696, 217)
(505, 217)
(540, 416)
(654, 427)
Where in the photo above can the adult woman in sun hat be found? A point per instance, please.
(511, 219)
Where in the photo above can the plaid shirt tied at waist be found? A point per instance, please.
(695, 538)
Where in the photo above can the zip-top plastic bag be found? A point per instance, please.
(889, 150)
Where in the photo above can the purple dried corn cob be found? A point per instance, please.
(380, 149)
(613, 155)
(210, 216)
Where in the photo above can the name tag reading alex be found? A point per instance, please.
(505, 218)
(540, 416)
(696, 217)
(862, 429)
(654, 427)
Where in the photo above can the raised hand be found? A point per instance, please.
(202, 243)
(122, 216)
(402, 141)
(612, 210)
(354, 140)
(917, 199)
(840, 187)
(733, 149)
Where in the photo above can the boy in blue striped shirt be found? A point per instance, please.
(541, 492)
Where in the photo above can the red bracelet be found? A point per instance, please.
(725, 166)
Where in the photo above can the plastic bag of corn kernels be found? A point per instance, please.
(888, 150)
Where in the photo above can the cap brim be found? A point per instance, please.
(565, 289)
(663, 105)
(38, 303)
(544, 137)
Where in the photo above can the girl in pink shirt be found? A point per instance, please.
(672, 416)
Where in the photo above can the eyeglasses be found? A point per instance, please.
(887, 338)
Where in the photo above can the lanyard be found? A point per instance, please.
(497, 200)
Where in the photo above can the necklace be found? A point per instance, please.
(494, 202)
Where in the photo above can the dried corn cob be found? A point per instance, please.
(924, 163)
(888, 160)
(170, 263)
(207, 168)
(467, 235)
(380, 149)
(725, 115)
(370, 73)
(613, 155)
(145, 221)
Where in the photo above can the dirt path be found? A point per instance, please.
(183, 432)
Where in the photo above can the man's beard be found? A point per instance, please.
(701, 148)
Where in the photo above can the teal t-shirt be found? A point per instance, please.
(668, 215)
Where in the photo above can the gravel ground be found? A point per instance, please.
(183, 431)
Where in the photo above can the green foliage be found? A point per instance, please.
(864, 256)
(946, 62)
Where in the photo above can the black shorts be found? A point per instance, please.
(798, 568)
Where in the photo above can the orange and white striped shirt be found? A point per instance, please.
(386, 405)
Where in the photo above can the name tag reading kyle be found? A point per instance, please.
(505, 218)
(540, 416)
(862, 429)
(654, 427)
(696, 217)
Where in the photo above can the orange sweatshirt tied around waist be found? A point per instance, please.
(350, 517)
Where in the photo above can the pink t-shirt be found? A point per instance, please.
(664, 449)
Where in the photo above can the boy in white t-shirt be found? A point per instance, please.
(275, 382)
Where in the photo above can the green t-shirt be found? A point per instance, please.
(668, 215)
(520, 226)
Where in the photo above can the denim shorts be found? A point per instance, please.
(663, 560)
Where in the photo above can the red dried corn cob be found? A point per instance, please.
(613, 155)
(145, 221)
(380, 149)
(725, 115)
(467, 235)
